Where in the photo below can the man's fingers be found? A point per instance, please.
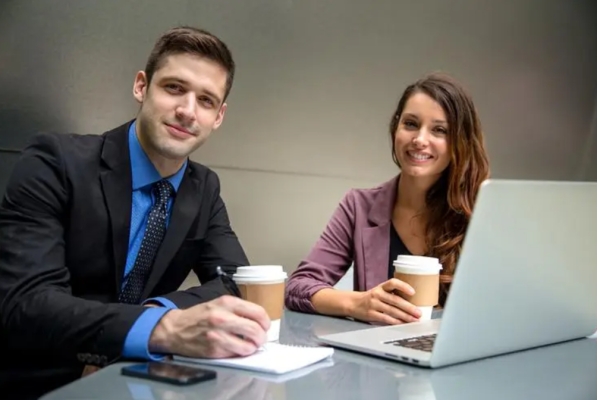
(247, 310)
(222, 344)
(246, 329)
(224, 320)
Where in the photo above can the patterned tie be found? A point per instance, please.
(153, 236)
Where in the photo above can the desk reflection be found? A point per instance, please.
(227, 386)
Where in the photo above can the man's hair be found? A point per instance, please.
(189, 40)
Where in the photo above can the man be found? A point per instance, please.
(97, 233)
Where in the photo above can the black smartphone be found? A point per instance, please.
(169, 372)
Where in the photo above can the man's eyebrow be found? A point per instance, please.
(214, 96)
(174, 79)
(185, 83)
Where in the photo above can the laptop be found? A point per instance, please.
(526, 277)
(561, 371)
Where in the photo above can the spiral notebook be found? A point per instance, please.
(272, 358)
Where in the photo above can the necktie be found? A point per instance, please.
(153, 236)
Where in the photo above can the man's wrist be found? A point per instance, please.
(161, 339)
(159, 302)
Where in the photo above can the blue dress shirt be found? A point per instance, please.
(144, 175)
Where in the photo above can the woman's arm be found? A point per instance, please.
(325, 265)
(339, 303)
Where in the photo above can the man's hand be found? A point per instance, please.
(225, 327)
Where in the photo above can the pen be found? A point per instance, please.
(229, 281)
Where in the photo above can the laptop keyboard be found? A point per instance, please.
(423, 343)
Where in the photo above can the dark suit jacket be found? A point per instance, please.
(64, 234)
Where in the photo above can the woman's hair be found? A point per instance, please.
(451, 199)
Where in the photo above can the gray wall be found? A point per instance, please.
(317, 82)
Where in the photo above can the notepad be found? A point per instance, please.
(272, 358)
(288, 376)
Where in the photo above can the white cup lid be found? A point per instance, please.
(260, 272)
(417, 269)
(417, 260)
(430, 267)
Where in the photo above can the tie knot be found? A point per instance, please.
(163, 190)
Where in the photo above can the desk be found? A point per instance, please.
(562, 371)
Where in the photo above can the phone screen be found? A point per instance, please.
(169, 372)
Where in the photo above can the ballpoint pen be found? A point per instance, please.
(229, 282)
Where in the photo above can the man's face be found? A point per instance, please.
(181, 106)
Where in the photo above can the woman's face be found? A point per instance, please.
(421, 139)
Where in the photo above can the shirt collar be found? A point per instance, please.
(143, 172)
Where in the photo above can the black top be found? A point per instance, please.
(397, 248)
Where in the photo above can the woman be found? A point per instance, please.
(438, 146)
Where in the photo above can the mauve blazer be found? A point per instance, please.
(359, 233)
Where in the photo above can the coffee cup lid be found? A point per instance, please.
(428, 267)
(417, 260)
(431, 269)
(260, 272)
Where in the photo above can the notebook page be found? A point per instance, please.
(273, 358)
(288, 376)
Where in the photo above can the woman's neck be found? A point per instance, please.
(412, 192)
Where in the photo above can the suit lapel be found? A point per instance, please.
(115, 178)
(376, 236)
(184, 211)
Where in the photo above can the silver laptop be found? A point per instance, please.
(526, 277)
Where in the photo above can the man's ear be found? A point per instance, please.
(220, 116)
(140, 86)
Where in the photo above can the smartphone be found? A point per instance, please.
(169, 373)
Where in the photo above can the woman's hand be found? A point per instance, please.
(381, 304)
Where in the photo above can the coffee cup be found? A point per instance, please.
(264, 285)
(423, 274)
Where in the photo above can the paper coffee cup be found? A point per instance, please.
(264, 285)
(423, 274)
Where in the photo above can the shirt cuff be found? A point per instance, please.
(136, 342)
(162, 301)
